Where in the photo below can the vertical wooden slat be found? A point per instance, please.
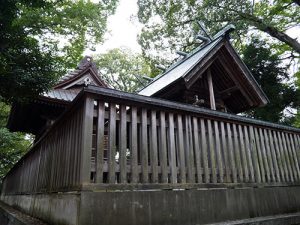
(270, 156)
(144, 147)
(123, 144)
(281, 158)
(278, 156)
(212, 152)
(68, 155)
(153, 147)
(112, 144)
(78, 146)
(292, 158)
(295, 156)
(274, 156)
(255, 157)
(182, 170)
(133, 146)
(287, 157)
(248, 155)
(243, 154)
(163, 148)
(197, 149)
(204, 151)
(189, 150)
(231, 154)
(100, 142)
(218, 152)
(259, 154)
(172, 156)
(225, 153)
(237, 154)
(265, 156)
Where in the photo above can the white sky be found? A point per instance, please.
(123, 29)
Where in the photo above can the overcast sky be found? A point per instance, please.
(124, 27)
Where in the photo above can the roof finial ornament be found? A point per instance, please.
(87, 81)
(207, 38)
(161, 67)
(184, 54)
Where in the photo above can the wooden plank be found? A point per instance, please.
(163, 148)
(297, 145)
(111, 160)
(287, 156)
(188, 149)
(231, 154)
(191, 159)
(274, 156)
(264, 155)
(123, 144)
(292, 157)
(248, 154)
(197, 149)
(144, 146)
(181, 161)
(78, 146)
(68, 152)
(269, 155)
(255, 157)
(237, 154)
(243, 153)
(280, 157)
(133, 146)
(212, 152)
(225, 153)
(259, 154)
(172, 156)
(295, 156)
(218, 152)
(204, 151)
(283, 157)
(153, 147)
(211, 90)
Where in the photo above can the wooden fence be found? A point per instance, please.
(114, 138)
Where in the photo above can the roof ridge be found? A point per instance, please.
(224, 31)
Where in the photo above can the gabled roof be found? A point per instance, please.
(186, 71)
(85, 69)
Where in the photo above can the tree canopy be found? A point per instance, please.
(172, 25)
(123, 70)
(273, 77)
(40, 39)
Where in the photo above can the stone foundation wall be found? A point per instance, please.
(158, 207)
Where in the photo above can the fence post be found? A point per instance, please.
(86, 142)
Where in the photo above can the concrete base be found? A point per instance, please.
(58, 209)
(182, 207)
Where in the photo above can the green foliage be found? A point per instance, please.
(122, 69)
(272, 76)
(41, 38)
(12, 145)
(172, 25)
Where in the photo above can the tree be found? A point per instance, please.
(12, 145)
(40, 38)
(172, 25)
(267, 69)
(122, 69)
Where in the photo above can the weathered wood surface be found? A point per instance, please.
(147, 144)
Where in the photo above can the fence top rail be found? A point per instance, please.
(152, 102)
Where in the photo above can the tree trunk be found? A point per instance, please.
(293, 43)
(272, 31)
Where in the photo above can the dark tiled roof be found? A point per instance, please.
(61, 94)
